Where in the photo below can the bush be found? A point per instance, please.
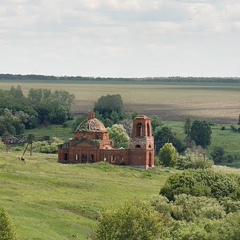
(202, 183)
(2, 145)
(168, 155)
(7, 231)
(218, 154)
(189, 208)
(194, 160)
(134, 220)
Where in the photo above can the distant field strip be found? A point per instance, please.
(170, 102)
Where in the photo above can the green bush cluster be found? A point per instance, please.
(42, 146)
(134, 220)
(185, 217)
(194, 160)
(219, 156)
(190, 217)
(202, 183)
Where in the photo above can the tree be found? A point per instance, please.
(118, 134)
(52, 107)
(133, 221)
(187, 126)
(164, 134)
(110, 106)
(187, 130)
(218, 154)
(156, 122)
(168, 155)
(7, 231)
(201, 133)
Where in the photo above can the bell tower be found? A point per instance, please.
(142, 142)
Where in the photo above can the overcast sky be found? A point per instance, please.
(120, 38)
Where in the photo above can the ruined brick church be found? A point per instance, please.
(91, 144)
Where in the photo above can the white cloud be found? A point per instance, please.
(110, 37)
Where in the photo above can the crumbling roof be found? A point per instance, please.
(92, 125)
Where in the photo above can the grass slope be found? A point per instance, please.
(48, 200)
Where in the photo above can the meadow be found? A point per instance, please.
(49, 200)
(215, 102)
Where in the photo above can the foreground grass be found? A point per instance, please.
(48, 200)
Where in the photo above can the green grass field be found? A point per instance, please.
(49, 200)
(216, 102)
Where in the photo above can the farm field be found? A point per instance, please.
(214, 102)
(49, 200)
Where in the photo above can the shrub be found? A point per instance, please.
(7, 231)
(202, 183)
(2, 145)
(134, 220)
(218, 154)
(168, 155)
(194, 160)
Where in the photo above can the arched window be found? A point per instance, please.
(138, 146)
(148, 130)
(139, 130)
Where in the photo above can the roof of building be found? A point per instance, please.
(92, 124)
(141, 117)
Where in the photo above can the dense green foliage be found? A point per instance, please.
(52, 107)
(118, 134)
(202, 183)
(164, 134)
(168, 155)
(41, 106)
(201, 133)
(135, 220)
(189, 217)
(194, 159)
(7, 231)
(50, 146)
(110, 108)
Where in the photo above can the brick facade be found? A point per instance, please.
(91, 144)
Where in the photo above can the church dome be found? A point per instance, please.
(92, 124)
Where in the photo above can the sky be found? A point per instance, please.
(120, 38)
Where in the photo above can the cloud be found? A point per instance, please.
(123, 31)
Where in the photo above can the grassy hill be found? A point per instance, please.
(48, 200)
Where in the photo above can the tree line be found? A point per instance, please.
(35, 77)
